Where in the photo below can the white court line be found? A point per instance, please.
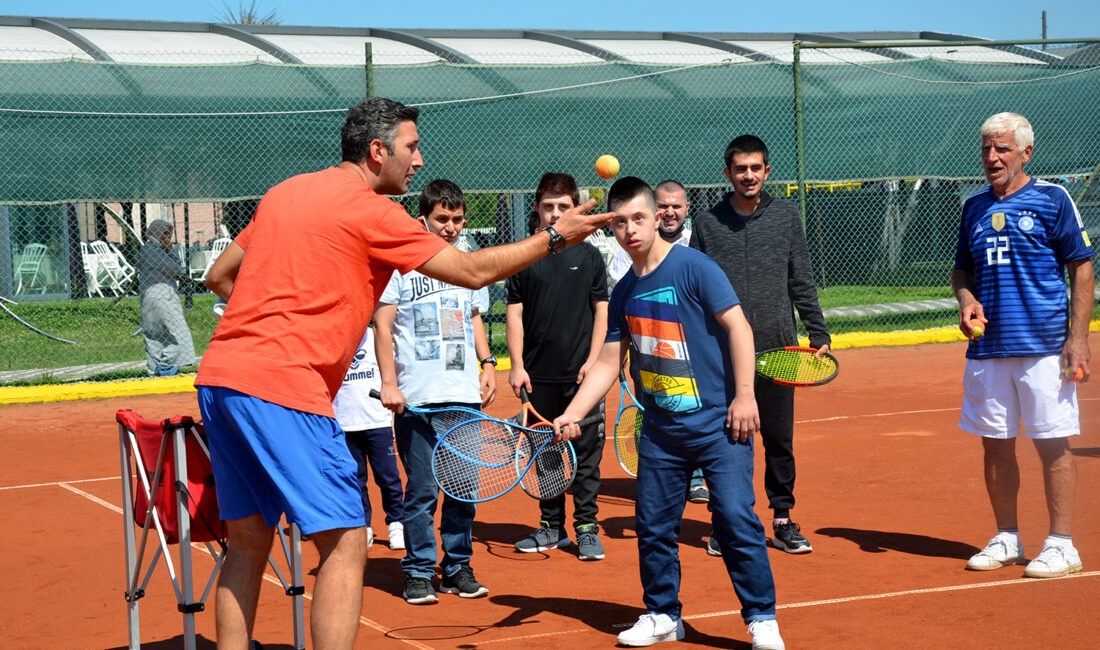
(875, 415)
(895, 413)
(55, 483)
(819, 603)
(896, 594)
(514, 639)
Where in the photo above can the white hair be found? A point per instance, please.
(1014, 123)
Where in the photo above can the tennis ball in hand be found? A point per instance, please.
(1075, 376)
(976, 328)
(607, 166)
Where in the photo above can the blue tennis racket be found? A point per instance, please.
(484, 458)
(628, 427)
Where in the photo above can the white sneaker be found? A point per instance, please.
(370, 537)
(1003, 550)
(1055, 560)
(653, 628)
(397, 536)
(765, 635)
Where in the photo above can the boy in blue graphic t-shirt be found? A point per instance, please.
(693, 363)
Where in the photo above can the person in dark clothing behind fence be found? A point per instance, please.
(758, 241)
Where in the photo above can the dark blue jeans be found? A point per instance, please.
(663, 477)
(415, 441)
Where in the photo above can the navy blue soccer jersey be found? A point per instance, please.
(1016, 249)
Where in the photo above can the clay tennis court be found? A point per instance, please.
(890, 494)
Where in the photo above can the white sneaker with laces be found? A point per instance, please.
(653, 628)
(1003, 550)
(765, 635)
(1055, 560)
(397, 536)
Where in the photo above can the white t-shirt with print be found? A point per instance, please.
(433, 338)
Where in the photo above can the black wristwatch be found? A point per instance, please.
(491, 359)
(557, 242)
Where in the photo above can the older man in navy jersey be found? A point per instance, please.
(1017, 238)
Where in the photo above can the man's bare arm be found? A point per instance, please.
(223, 274)
(480, 268)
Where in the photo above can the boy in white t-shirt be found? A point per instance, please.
(368, 427)
(430, 340)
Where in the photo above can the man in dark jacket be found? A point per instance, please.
(758, 241)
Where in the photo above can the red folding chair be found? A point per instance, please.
(179, 511)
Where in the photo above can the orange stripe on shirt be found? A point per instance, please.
(657, 329)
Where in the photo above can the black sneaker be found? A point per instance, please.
(419, 591)
(712, 546)
(788, 538)
(463, 583)
(589, 546)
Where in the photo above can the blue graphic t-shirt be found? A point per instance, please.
(1016, 248)
(679, 356)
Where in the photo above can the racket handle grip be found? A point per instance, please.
(591, 419)
(375, 394)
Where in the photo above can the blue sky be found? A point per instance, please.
(1008, 19)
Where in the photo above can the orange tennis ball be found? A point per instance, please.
(607, 166)
(976, 328)
(1075, 376)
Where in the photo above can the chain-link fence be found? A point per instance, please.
(878, 145)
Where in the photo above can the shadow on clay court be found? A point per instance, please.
(878, 541)
(604, 617)
(617, 488)
(440, 632)
(384, 574)
(1087, 452)
(201, 643)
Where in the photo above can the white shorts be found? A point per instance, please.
(1004, 397)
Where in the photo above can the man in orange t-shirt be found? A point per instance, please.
(301, 282)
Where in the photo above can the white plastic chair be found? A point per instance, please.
(110, 267)
(217, 247)
(91, 269)
(30, 266)
(128, 270)
(606, 244)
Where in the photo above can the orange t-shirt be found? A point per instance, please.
(318, 254)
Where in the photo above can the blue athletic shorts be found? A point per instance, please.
(269, 459)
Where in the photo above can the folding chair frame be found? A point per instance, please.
(138, 575)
